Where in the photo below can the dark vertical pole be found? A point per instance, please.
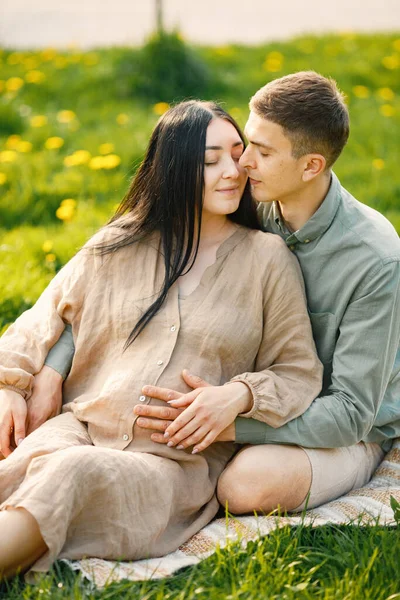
(159, 16)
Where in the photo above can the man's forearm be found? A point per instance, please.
(62, 353)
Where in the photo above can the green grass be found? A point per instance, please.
(327, 563)
(342, 563)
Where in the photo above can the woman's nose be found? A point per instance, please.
(232, 170)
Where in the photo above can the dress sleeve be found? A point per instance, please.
(25, 344)
(288, 374)
(62, 353)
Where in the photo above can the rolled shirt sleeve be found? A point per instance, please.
(363, 362)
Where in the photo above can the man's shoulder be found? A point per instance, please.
(366, 228)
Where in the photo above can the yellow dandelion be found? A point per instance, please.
(391, 62)
(8, 156)
(122, 119)
(111, 161)
(60, 62)
(47, 246)
(38, 121)
(378, 164)
(75, 58)
(387, 110)
(14, 84)
(35, 76)
(96, 163)
(65, 212)
(3, 178)
(275, 55)
(361, 91)
(53, 143)
(386, 94)
(24, 146)
(104, 162)
(306, 46)
(65, 116)
(331, 50)
(91, 59)
(2, 85)
(13, 141)
(160, 108)
(15, 58)
(80, 157)
(272, 65)
(396, 45)
(30, 63)
(225, 51)
(106, 148)
(69, 202)
(48, 54)
(235, 112)
(50, 258)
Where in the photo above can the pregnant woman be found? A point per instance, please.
(180, 277)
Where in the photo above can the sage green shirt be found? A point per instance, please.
(350, 258)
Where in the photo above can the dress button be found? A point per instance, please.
(173, 328)
(159, 362)
(142, 398)
(125, 437)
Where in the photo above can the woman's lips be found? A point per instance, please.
(254, 181)
(231, 190)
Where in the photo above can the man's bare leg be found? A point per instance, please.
(264, 478)
(21, 543)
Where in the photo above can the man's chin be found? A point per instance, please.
(259, 194)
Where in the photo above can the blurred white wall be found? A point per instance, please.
(90, 23)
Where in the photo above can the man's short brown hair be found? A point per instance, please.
(310, 109)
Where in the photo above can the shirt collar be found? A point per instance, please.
(319, 222)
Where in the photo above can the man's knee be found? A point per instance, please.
(265, 478)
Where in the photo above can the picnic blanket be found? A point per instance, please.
(365, 506)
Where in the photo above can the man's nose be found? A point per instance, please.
(246, 160)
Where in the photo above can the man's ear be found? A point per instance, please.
(314, 165)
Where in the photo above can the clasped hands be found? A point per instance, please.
(198, 418)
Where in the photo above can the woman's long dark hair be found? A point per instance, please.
(166, 195)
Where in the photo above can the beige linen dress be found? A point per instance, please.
(94, 481)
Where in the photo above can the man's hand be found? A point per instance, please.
(46, 399)
(13, 413)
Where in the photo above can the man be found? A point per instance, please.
(350, 258)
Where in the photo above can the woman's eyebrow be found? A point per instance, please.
(235, 145)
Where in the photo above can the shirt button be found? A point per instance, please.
(142, 398)
(125, 437)
(307, 241)
(173, 328)
(159, 362)
(292, 247)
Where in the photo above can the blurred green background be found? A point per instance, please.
(74, 126)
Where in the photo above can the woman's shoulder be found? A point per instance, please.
(269, 243)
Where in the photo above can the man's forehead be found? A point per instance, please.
(263, 132)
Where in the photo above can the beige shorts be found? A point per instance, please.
(336, 471)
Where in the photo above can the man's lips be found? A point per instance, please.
(253, 181)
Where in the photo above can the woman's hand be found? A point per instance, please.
(46, 399)
(208, 412)
(13, 412)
